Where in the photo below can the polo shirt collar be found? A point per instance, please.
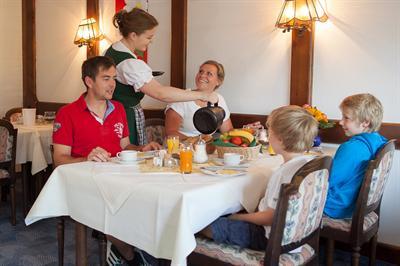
(120, 46)
(83, 106)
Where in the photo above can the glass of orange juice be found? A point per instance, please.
(173, 144)
(186, 159)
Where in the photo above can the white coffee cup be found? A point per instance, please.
(232, 159)
(127, 156)
(29, 116)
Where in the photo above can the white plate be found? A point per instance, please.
(116, 160)
(221, 171)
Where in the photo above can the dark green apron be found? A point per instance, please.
(126, 94)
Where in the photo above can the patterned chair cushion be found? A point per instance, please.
(345, 224)
(305, 209)
(4, 174)
(155, 133)
(379, 178)
(242, 256)
(6, 141)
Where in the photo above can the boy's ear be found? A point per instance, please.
(365, 124)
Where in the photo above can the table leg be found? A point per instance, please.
(80, 244)
(24, 170)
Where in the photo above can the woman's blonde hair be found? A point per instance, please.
(220, 70)
(364, 107)
(294, 126)
(137, 20)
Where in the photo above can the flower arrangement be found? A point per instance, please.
(319, 116)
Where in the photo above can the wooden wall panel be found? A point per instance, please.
(301, 71)
(178, 43)
(29, 53)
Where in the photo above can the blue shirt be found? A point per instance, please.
(347, 172)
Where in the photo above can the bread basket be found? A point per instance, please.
(249, 153)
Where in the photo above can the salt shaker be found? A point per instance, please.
(200, 153)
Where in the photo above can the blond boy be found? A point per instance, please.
(361, 118)
(291, 132)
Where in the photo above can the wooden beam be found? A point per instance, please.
(29, 97)
(178, 43)
(92, 11)
(301, 73)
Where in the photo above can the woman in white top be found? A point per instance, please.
(134, 76)
(179, 116)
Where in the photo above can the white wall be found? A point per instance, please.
(10, 55)
(358, 51)
(256, 57)
(58, 60)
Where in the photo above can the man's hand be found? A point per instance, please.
(151, 146)
(99, 155)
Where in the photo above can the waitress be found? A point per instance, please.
(134, 76)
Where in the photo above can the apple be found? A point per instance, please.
(236, 140)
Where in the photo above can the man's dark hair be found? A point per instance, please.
(92, 66)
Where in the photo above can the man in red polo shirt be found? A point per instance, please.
(94, 127)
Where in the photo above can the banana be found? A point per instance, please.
(242, 133)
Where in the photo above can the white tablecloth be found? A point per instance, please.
(157, 212)
(33, 145)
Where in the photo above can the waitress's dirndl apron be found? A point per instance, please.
(130, 99)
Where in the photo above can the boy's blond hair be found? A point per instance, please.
(364, 107)
(294, 126)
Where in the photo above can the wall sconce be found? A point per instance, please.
(299, 14)
(87, 33)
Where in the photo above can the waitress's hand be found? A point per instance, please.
(210, 97)
(151, 146)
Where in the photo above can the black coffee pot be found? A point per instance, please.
(208, 119)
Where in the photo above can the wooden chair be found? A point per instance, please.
(8, 144)
(14, 114)
(155, 130)
(364, 224)
(296, 224)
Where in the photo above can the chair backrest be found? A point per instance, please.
(372, 187)
(298, 215)
(155, 130)
(14, 114)
(8, 144)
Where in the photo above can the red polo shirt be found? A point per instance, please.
(76, 126)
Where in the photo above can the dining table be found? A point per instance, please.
(34, 150)
(156, 209)
(33, 145)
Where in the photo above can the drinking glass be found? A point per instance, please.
(49, 116)
(186, 159)
(173, 144)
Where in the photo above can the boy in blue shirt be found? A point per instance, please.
(361, 119)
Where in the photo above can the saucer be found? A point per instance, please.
(147, 154)
(116, 160)
(220, 162)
